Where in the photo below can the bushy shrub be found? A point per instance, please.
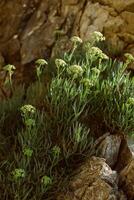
(47, 130)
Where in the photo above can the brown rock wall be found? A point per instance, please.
(27, 27)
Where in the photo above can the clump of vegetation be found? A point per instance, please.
(47, 131)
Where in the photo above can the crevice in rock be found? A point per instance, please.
(82, 11)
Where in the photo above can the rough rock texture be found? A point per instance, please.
(27, 27)
(108, 146)
(127, 179)
(125, 154)
(94, 180)
(130, 141)
(114, 149)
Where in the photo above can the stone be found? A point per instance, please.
(125, 154)
(116, 149)
(92, 19)
(108, 147)
(2, 61)
(118, 5)
(2, 75)
(94, 180)
(129, 26)
(126, 179)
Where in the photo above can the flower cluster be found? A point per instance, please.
(129, 57)
(76, 40)
(28, 114)
(46, 181)
(9, 68)
(60, 62)
(27, 152)
(130, 101)
(97, 36)
(18, 173)
(56, 151)
(41, 62)
(75, 70)
(95, 51)
(27, 109)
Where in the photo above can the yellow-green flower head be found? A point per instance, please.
(97, 36)
(46, 181)
(76, 39)
(18, 173)
(96, 51)
(56, 151)
(130, 101)
(75, 70)
(130, 57)
(86, 82)
(27, 152)
(41, 62)
(9, 68)
(27, 109)
(60, 62)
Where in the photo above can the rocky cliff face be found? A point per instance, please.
(27, 27)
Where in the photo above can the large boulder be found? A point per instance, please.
(115, 149)
(107, 147)
(94, 180)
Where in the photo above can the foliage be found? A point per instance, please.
(50, 130)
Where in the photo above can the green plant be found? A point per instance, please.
(40, 63)
(46, 181)
(51, 129)
(10, 70)
(17, 174)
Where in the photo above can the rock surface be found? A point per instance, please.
(94, 180)
(127, 179)
(108, 146)
(27, 27)
(114, 149)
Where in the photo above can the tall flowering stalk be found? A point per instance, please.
(10, 71)
(76, 42)
(28, 113)
(40, 63)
